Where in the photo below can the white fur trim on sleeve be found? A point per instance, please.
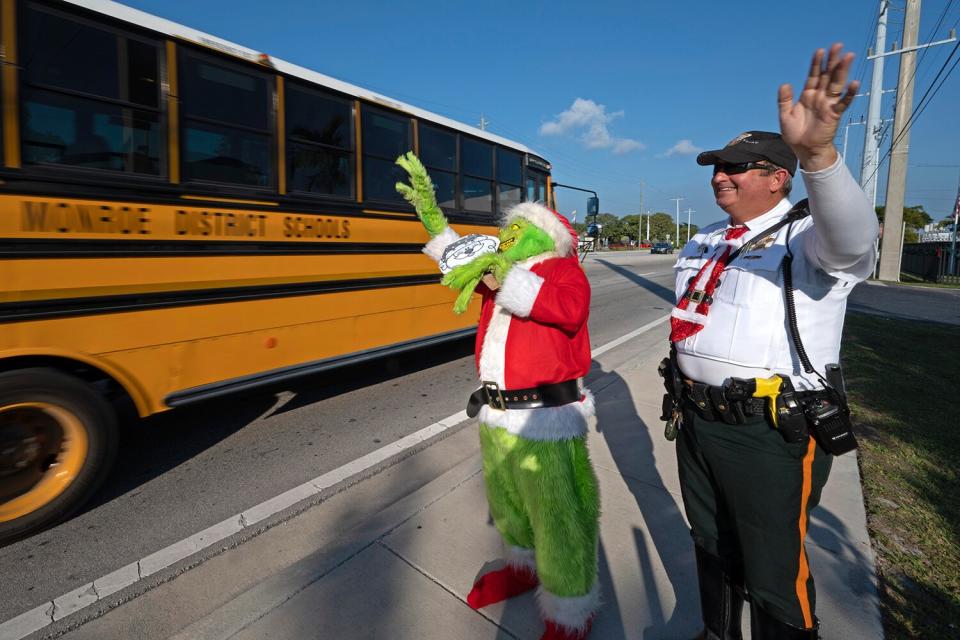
(519, 291)
(435, 247)
(574, 612)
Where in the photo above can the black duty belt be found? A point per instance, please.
(549, 395)
(712, 403)
(719, 403)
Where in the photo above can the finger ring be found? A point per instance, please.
(834, 94)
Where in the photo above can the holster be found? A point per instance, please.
(672, 383)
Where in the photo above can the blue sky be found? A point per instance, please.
(610, 92)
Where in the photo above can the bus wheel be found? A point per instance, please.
(58, 438)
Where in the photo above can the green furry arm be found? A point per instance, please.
(466, 277)
(421, 195)
(495, 263)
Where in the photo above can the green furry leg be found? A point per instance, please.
(506, 504)
(543, 494)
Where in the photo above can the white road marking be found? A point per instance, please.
(92, 592)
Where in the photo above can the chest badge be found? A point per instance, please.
(760, 245)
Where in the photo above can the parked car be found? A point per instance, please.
(661, 247)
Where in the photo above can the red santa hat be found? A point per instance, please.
(564, 236)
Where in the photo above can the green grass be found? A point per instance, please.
(902, 378)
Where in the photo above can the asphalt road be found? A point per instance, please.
(187, 469)
(929, 304)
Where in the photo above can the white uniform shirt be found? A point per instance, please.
(746, 334)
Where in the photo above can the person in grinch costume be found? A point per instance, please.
(532, 352)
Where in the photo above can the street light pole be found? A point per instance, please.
(677, 238)
(689, 211)
(953, 242)
(640, 222)
(846, 130)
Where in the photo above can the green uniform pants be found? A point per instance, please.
(747, 494)
(543, 496)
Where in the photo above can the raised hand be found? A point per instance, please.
(810, 125)
(420, 193)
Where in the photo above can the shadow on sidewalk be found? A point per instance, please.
(665, 540)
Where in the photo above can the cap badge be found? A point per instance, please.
(740, 138)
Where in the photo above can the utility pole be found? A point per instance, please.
(677, 239)
(893, 230)
(890, 254)
(871, 140)
(689, 211)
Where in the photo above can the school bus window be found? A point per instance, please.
(385, 136)
(531, 189)
(438, 151)
(477, 162)
(91, 96)
(319, 142)
(509, 178)
(226, 131)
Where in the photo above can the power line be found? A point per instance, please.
(921, 106)
(913, 75)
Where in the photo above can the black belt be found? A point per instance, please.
(715, 403)
(549, 395)
(712, 403)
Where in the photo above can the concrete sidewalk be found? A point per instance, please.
(394, 556)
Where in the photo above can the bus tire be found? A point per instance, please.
(58, 440)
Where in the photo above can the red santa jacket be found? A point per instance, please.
(546, 339)
(533, 331)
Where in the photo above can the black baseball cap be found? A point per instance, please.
(752, 146)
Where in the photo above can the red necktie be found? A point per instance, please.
(684, 327)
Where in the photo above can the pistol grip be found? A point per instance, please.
(769, 388)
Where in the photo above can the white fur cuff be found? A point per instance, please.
(519, 291)
(522, 558)
(435, 247)
(573, 612)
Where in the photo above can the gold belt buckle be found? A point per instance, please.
(697, 296)
(494, 395)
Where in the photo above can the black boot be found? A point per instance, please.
(721, 601)
(764, 626)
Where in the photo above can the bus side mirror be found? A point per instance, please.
(593, 231)
(593, 205)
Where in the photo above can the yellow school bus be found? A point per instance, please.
(182, 217)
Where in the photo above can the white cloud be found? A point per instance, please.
(683, 148)
(591, 120)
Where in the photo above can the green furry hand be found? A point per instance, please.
(495, 263)
(466, 277)
(463, 300)
(420, 193)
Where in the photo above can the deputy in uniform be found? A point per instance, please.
(749, 482)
